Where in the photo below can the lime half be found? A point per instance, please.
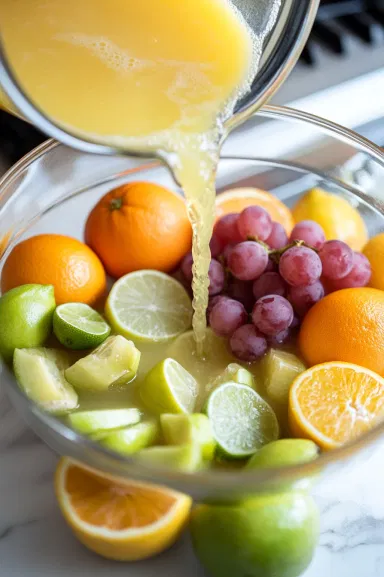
(148, 305)
(169, 388)
(78, 326)
(241, 420)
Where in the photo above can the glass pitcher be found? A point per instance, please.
(283, 25)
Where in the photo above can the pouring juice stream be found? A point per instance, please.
(150, 76)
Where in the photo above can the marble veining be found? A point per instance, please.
(35, 542)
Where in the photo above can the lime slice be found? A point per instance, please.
(169, 388)
(89, 422)
(132, 439)
(114, 362)
(242, 421)
(186, 458)
(40, 373)
(149, 305)
(183, 429)
(78, 326)
(26, 318)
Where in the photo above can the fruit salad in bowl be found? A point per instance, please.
(98, 341)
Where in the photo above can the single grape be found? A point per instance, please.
(241, 291)
(337, 259)
(278, 237)
(269, 283)
(226, 252)
(216, 277)
(216, 246)
(212, 302)
(247, 260)
(248, 344)
(226, 229)
(255, 223)
(186, 266)
(271, 266)
(358, 277)
(302, 298)
(279, 339)
(300, 266)
(310, 232)
(272, 314)
(295, 322)
(226, 316)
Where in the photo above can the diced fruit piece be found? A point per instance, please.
(149, 305)
(78, 326)
(334, 403)
(121, 520)
(279, 370)
(235, 373)
(268, 536)
(114, 362)
(241, 420)
(169, 388)
(89, 422)
(183, 429)
(40, 373)
(283, 453)
(132, 439)
(26, 318)
(186, 458)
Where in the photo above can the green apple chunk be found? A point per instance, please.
(182, 429)
(90, 422)
(186, 458)
(132, 439)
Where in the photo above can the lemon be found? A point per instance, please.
(78, 326)
(271, 535)
(149, 305)
(339, 219)
(169, 388)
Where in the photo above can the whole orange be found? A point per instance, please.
(347, 325)
(139, 225)
(68, 264)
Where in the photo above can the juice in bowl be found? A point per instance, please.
(129, 379)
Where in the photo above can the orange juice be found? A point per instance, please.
(154, 75)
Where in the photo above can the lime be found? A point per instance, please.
(242, 421)
(78, 326)
(271, 535)
(182, 429)
(186, 458)
(114, 362)
(26, 318)
(149, 305)
(132, 439)
(40, 374)
(169, 388)
(89, 422)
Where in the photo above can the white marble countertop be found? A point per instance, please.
(35, 541)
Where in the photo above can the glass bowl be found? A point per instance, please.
(52, 189)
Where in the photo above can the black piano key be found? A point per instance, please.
(360, 25)
(329, 37)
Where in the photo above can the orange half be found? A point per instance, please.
(334, 403)
(237, 199)
(118, 519)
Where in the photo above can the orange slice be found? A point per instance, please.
(237, 199)
(333, 403)
(118, 519)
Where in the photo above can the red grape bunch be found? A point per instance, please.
(263, 283)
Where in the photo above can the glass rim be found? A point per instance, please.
(216, 480)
